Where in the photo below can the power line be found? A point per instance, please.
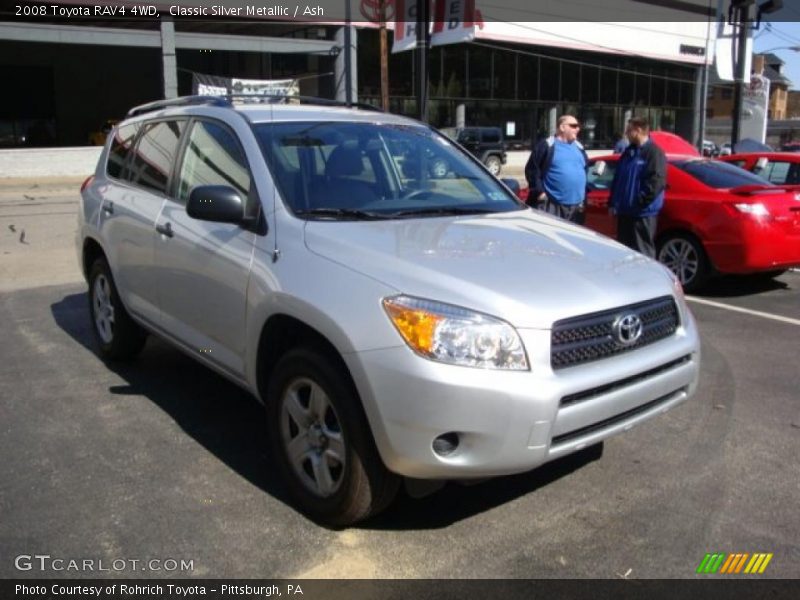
(782, 34)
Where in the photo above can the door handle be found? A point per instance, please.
(108, 208)
(165, 229)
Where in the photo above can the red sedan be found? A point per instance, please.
(780, 168)
(717, 218)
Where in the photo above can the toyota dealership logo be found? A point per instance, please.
(371, 10)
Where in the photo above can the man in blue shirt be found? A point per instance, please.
(556, 172)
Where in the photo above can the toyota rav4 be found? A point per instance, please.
(394, 324)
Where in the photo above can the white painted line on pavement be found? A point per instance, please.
(747, 311)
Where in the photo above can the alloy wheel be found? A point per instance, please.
(103, 309)
(312, 437)
(681, 257)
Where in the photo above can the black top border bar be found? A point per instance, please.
(306, 12)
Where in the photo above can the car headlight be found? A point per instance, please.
(456, 336)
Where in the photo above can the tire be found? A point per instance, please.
(336, 476)
(494, 164)
(685, 257)
(117, 335)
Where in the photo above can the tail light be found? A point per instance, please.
(87, 182)
(756, 209)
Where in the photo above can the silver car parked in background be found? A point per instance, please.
(395, 320)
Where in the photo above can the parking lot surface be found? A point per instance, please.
(162, 459)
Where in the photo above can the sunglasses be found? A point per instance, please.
(574, 125)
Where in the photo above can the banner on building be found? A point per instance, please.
(214, 85)
(755, 109)
(453, 22)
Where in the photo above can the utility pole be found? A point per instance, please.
(348, 56)
(421, 58)
(742, 18)
(384, 57)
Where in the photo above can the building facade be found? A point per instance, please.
(70, 77)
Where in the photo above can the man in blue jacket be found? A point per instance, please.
(637, 190)
(556, 172)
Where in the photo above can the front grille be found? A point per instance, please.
(591, 337)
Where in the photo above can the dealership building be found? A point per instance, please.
(68, 76)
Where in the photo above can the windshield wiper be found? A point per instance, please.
(347, 213)
(441, 211)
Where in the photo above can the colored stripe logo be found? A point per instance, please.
(734, 564)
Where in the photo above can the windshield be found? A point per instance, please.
(718, 174)
(368, 170)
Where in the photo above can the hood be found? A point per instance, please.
(524, 267)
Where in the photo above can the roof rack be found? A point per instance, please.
(182, 101)
(227, 100)
(284, 99)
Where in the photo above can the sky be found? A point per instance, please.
(779, 34)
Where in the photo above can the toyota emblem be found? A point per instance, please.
(627, 329)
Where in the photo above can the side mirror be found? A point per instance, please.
(599, 168)
(761, 163)
(217, 203)
(512, 184)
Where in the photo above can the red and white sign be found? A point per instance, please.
(453, 22)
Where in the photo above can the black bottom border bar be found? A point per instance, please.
(702, 587)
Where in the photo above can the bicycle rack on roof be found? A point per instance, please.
(228, 100)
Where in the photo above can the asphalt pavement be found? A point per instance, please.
(162, 459)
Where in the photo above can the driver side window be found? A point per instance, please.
(213, 157)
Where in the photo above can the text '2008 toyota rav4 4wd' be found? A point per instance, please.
(395, 321)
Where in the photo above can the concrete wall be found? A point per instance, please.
(38, 163)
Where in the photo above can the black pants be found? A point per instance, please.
(638, 233)
(569, 212)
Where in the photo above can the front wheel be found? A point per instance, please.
(687, 259)
(322, 443)
(494, 165)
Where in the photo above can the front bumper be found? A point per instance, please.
(510, 422)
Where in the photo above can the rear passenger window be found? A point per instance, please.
(491, 136)
(154, 155)
(776, 172)
(120, 150)
(213, 157)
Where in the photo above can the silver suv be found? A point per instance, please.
(394, 323)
